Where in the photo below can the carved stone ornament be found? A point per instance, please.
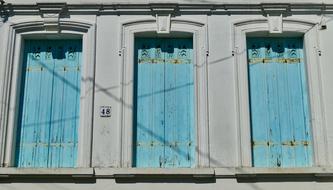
(163, 24)
(275, 24)
(51, 13)
(51, 21)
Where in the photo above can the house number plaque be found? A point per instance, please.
(105, 111)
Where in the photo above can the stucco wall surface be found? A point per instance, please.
(218, 53)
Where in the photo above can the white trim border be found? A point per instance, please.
(12, 62)
(309, 30)
(128, 31)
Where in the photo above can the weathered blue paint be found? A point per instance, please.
(164, 103)
(280, 118)
(49, 104)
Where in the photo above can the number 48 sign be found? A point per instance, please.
(105, 111)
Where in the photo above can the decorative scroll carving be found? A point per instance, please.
(51, 13)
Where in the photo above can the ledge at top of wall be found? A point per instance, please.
(163, 1)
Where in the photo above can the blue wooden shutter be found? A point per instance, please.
(280, 118)
(49, 104)
(164, 103)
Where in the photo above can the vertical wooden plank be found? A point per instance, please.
(136, 107)
(45, 71)
(22, 145)
(185, 100)
(32, 125)
(190, 101)
(286, 106)
(143, 52)
(158, 104)
(171, 107)
(301, 107)
(150, 104)
(179, 108)
(57, 104)
(76, 111)
(273, 102)
(257, 81)
(74, 59)
(70, 109)
(144, 103)
(66, 113)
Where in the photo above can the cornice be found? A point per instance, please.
(170, 8)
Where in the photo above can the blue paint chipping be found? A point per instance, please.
(280, 116)
(164, 103)
(47, 130)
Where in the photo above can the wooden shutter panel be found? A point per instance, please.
(164, 119)
(280, 118)
(50, 104)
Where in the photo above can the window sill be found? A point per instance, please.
(272, 174)
(197, 174)
(149, 172)
(47, 172)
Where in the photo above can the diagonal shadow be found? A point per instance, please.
(53, 121)
(165, 90)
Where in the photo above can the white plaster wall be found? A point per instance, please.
(221, 95)
(221, 84)
(221, 87)
(107, 92)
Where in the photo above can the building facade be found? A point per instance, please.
(166, 94)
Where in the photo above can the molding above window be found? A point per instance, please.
(12, 61)
(172, 8)
(198, 30)
(308, 30)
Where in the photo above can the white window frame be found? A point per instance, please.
(199, 31)
(309, 31)
(17, 32)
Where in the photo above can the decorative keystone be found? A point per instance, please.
(275, 24)
(51, 13)
(163, 23)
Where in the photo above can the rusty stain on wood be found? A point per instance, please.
(275, 60)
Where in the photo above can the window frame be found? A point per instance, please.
(308, 30)
(17, 33)
(199, 31)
